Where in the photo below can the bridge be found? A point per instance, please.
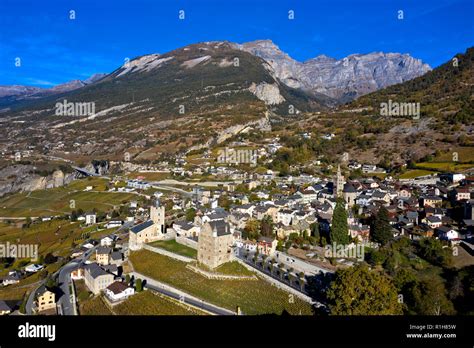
(85, 172)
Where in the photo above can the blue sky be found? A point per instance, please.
(54, 49)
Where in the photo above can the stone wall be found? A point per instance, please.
(167, 253)
(188, 242)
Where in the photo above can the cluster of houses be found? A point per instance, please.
(104, 273)
(415, 209)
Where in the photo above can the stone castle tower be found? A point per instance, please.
(338, 183)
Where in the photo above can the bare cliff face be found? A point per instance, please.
(343, 79)
(21, 178)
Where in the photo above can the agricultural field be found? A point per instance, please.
(411, 174)
(150, 176)
(18, 291)
(234, 268)
(174, 247)
(57, 201)
(464, 154)
(94, 306)
(150, 303)
(444, 166)
(55, 236)
(253, 297)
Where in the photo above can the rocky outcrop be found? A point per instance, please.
(22, 178)
(268, 93)
(343, 79)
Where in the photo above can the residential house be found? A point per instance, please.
(118, 291)
(186, 229)
(285, 216)
(106, 241)
(96, 278)
(45, 299)
(447, 233)
(433, 221)
(431, 201)
(267, 245)
(91, 218)
(116, 258)
(102, 255)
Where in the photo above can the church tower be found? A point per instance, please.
(338, 183)
(157, 215)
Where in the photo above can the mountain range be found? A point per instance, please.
(311, 85)
(343, 79)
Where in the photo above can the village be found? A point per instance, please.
(277, 229)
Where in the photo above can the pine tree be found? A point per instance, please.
(381, 229)
(339, 229)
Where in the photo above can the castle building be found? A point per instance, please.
(338, 183)
(215, 244)
(150, 230)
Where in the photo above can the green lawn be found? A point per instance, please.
(253, 297)
(149, 303)
(174, 247)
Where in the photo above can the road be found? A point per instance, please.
(66, 302)
(159, 186)
(182, 296)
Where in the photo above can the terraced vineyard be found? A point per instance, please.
(94, 306)
(148, 303)
(253, 297)
(55, 236)
(57, 201)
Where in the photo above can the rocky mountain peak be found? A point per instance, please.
(343, 79)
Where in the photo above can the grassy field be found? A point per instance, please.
(149, 303)
(253, 297)
(174, 247)
(57, 201)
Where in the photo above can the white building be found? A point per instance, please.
(118, 291)
(91, 218)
